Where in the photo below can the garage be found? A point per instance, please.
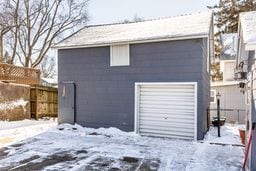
(166, 109)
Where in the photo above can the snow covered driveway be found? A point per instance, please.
(12, 132)
(67, 147)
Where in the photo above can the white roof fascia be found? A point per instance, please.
(132, 42)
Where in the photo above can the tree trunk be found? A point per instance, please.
(27, 61)
(1, 49)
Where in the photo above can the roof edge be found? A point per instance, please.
(55, 46)
(134, 41)
(224, 83)
(250, 46)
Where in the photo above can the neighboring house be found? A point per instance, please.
(151, 77)
(232, 100)
(246, 63)
(228, 56)
(51, 82)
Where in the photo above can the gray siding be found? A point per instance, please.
(205, 88)
(105, 95)
(250, 60)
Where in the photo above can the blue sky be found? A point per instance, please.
(109, 11)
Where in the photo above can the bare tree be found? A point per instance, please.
(136, 18)
(48, 67)
(6, 22)
(37, 25)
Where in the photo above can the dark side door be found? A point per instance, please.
(67, 102)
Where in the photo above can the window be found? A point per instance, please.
(213, 96)
(119, 55)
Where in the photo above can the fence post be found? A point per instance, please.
(238, 116)
(218, 112)
(36, 102)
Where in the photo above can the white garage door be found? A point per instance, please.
(166, 109)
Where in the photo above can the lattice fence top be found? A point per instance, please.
(20, 75)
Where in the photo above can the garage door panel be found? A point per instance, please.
(166, 135)
(167, 101)
(172, 115)
(170, 133)
(167, 129)
(167, 110)
(165, 86)
(165, 122)
(170, 94)
(167, 90)
(168, 98)
(157, 123)
(167, 119)
(176, 110)
(169, 107)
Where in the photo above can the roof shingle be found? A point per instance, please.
(164, 28)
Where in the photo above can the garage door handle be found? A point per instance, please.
(166, 118)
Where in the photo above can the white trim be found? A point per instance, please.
(228, 61)
(208, 55)
(136, 108)
(249, 47)
(112, 57)
(215, 93)
(136, 101)
(131, 42)
(224, 83)
(239, 43)
(195, 107)
(166, 83)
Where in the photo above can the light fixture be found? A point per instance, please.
(218, 96)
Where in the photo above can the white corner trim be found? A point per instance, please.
(136, 108)
(195, 119)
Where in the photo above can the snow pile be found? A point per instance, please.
(229, 135)
(13, 104)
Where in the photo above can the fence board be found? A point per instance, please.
(19, 75)
(43, 101)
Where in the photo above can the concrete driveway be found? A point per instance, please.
(67, 147)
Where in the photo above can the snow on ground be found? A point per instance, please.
(12, 132)
(69, 147)
(13, 104)
(229, 135)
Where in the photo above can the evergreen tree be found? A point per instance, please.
(226, 14)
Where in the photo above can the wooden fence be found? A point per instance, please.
(14, 102)
(43, 101)
(19, 75)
